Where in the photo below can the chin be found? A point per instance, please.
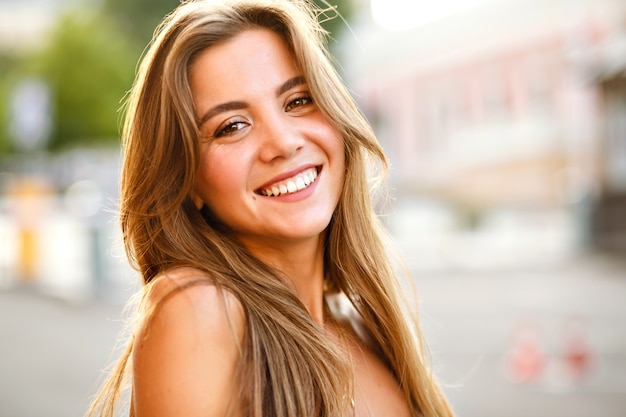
(306, 231)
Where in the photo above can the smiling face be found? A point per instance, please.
(272, 165)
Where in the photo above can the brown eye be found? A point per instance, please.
(230, 129)
(299, 102)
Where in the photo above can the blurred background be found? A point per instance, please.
(505, 125)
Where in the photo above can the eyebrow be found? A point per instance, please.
(289, 84)
(238, 105)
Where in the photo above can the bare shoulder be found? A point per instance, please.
(187, 348)
(188, 299)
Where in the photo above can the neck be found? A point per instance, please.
(303, 262)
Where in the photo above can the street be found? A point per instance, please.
(546, 341)
(500, 339)
(52, 353)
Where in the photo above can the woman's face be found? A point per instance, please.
(272, 166)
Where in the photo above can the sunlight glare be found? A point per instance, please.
(398, 15)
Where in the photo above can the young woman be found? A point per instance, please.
(245, 205)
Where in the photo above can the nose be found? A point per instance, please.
(280, 138)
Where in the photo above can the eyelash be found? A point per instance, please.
(227, 129)
(304, 100)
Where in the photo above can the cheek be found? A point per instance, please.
(339, 151)
(336, 148)
(213, 176)
(334, 140)
(222, 173)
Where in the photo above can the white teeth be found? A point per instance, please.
(300, 182)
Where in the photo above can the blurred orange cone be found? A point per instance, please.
(526, 359)
(576, 355)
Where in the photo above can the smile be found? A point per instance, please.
(291, 185)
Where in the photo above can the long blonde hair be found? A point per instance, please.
(164, 230)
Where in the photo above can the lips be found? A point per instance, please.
(290, 185)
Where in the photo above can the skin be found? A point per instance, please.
(184, 359)
(259, 126)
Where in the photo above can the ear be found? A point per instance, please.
(197, 201)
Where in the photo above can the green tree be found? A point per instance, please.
(7, 66)
(89, 66)
(139, 18)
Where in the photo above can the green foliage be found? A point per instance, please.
(7, 65)
(138, 18)
(89, 67)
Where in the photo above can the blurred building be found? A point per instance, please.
(511, 106)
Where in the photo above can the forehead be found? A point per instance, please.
(253, 61)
